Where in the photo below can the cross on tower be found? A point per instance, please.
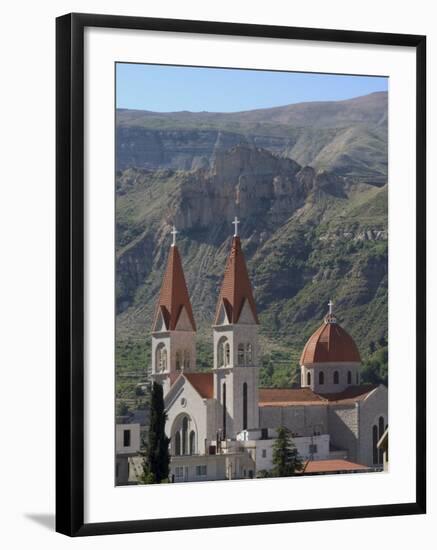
(174, 233)
(236, 222)
(330, 304)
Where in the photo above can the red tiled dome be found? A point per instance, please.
(330, 343)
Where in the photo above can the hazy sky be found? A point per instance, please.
(169, 88)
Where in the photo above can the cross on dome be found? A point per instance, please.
(330, 317)
(235, 223)
(174, 233)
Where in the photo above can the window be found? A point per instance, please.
(179, 472)
(336, 377)
(264, 433)
(249, 354)
(321, 378)
(349, 377)
(177, 444)
(178, 360)
(264, 453)
(201, 470)
(312, 448)
(245, 406)
(308, 379)
(374, 443)
(192, 442)
(227, 354)
(380, 432)
(241, 354)
(224, 409)
(184, 435)
(186, 359)
(221, 351)
(161, 358)
(126, 438)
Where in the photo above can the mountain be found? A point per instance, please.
(348, 136)
(309, 234)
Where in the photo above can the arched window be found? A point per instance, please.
(177, 443)
(186, 359)
(221, 351)
(245, 406)
(224, 410)
(227, 354)
(192, 443)
(336, 377)
(308, 379)
(241, 354)
(349, 377)
(161, 358)
(184, 435)
(178, 360)
(374, 444)
(321, 378)
(380, 432)
(249, 354)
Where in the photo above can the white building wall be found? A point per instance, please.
(371, 408)
(184, 400)
(328, 369)
(134, 446)
(263, 449)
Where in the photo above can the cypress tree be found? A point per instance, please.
(286, 459)
(156, 463)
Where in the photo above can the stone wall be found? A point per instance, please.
(303, 420)
(344, 428)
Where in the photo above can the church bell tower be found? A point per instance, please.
(235, 333)
(174, 328)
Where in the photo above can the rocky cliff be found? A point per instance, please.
(309, 235)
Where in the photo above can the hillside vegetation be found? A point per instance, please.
(311, 231)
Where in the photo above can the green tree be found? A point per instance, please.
(157, 458)
(286, 459)
(122, 409)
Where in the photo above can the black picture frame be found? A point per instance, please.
(70, 273)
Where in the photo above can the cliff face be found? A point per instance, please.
(308, 236)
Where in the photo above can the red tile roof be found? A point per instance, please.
(352, 394)
(236, 287)
(330, 343)
(203, 383)
(173, 296)
(284, 397)
(319, 466)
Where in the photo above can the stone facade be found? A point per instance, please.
(217, 424)
(301, 420)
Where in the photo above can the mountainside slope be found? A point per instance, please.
(347, 136)
(309, 233)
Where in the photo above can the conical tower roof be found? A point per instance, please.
(236, 288)
(173, 297)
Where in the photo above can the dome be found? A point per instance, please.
(330, 344)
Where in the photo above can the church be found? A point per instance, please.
(221, 424)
